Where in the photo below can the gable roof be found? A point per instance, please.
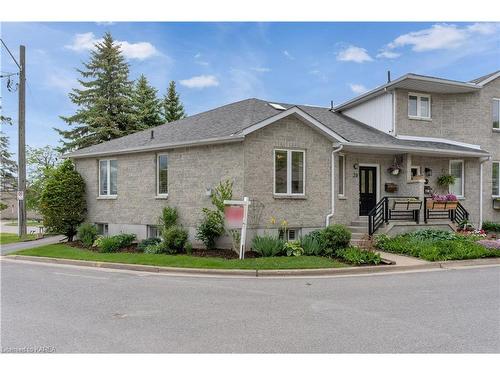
(231, 122)
(486, 78)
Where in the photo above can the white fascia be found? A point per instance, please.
(440, 140)
(294, 111)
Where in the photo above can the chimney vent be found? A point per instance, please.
(331, 104)
(388, 76)
(152, 134)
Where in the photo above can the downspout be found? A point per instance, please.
(481, 162)
(330, 215)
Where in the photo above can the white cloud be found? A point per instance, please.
(261, 69)
(357, 88)
(63, 83)
(386, 54)
(441, 37)
(140, 50)
(288, 55)
(353, 53)
(199, 82)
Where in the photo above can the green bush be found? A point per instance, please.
(432, 234)
(357, 256)
(268, 246)
(210, 228)
(434, 249)
(168, 217)
(153, 249)
(311, 243)
(335, 237)
(490, 226)
(87, 234)
(293, 248)
(148, 241)
(115, 243)
(174, 239)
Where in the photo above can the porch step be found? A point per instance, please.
(359, 223)
(358, 229)
(358, 236)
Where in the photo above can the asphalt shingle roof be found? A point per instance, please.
(230, 119)
(481, 79)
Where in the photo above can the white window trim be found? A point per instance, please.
(343, 176)
(463, 176)
(162, 195)
(495, 162)
(419, 106)
(491, 112)
(289, 173)
(417, 167)
(108, 177)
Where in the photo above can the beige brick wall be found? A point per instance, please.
(464, 118)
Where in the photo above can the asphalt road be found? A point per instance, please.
(75, 309)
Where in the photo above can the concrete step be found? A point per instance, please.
(358, 229)
(358, 236)
(359, 223)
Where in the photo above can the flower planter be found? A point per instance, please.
(441, 205)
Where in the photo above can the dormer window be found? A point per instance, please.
(419, 106)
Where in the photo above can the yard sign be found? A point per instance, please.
(236, 213)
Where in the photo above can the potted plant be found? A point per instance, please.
(395, 168)
(446, 180)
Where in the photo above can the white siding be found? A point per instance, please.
(376, 112)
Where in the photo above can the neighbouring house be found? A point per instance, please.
(310, 165)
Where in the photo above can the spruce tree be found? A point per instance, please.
(104, 101)
(146, 105)
(173, 109)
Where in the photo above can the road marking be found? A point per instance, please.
(85, 276)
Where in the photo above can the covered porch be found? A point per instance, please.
(381, 189)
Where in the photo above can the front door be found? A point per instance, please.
(367, 189)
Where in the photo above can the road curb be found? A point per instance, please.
(261, 273)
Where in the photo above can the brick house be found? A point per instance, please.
(309, 165)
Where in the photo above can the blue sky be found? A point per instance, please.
(218, 63)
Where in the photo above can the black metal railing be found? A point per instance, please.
(460, 214)
(378, 215)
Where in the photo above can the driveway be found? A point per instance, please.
(76, 309)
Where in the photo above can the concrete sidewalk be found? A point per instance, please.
(10, 248)
(402, 260)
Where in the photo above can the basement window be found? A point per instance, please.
(102, 229)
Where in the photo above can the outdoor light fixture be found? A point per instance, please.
(355, 166)
(208, 191)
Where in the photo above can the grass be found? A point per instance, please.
(6, 238)
(183, 261)
(29, 223)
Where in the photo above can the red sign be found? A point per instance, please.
(234, 216)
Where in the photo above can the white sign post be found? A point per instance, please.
(244, 220)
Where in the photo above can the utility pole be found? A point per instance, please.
(21, 150)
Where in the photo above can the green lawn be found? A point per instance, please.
(183, 261)
(29, 223)
(6, 238)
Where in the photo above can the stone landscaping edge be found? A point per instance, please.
(261, 273)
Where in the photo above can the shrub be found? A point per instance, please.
(62, 200)
(87, 233)
(188, 248)
(98, 241)
(153, 249)
(311, 244)
(169, 217)
(112, 244)
(490, 226)
(174, 239)
(210, 228)
(355, 255)
(268, 246)
(293, 248)
(148, 241)
(431, 234)
(335, 237)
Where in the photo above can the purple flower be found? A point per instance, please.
(451, 198)
(490, 244)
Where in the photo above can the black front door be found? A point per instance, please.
(367, 189)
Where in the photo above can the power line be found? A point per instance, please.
(10, 53)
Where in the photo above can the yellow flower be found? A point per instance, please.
(284, 223)
(273, 220)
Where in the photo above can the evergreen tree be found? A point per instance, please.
(104, 103)
(147, 107)
(173, 109)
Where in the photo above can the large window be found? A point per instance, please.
(162, 175)
(457, 171)
(495, 179)
(341, 175)
(495, 113)
(289, 172)
(108, 176)
(419, 106)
